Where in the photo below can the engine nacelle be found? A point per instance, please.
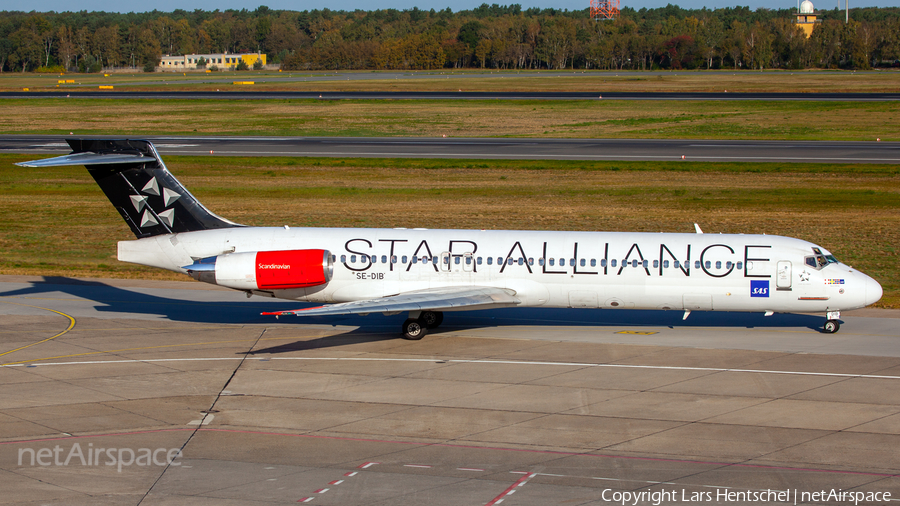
(265, 270)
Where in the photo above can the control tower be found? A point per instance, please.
(807, 17)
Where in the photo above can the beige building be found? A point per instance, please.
(807, 18)
(223, 61)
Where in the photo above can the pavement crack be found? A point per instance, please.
(206, 414)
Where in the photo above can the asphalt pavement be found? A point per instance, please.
(498, 148)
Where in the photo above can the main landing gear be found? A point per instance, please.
(417, 326)
(832, 324)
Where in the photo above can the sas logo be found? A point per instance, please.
(834, 281)
(759, 288)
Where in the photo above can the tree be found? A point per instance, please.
(28, 46)
(66, 45)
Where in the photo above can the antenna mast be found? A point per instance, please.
(604, 9)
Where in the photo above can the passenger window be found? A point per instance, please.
(468, 260)
(645, 264)
(562, 262)
(394, 259)
(612, 262)
(696, 264)
(456, 260)
(509, 261)
(352, 259)
(728, 264)
(521, 261)
(593, 262)
(739, 265)
(718, 264)
(655, 264)
(603, 262)
(540, 261)
(374, 259)
(583, 263)
(552, 262)
(634, 263)
(343, 259)
(384, 259)
(676, 264)
(708, 264)
(571, 262)
(490, 260)
(415, 260)
(530, 261)
(478, 261)
(665, 264)
(404, 258)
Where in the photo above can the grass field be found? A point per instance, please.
(472, 80)
(866, 121)
(57, 221)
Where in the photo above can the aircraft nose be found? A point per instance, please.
(873, 291)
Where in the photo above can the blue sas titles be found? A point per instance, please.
(759, 288)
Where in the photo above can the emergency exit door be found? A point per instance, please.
(783, 275)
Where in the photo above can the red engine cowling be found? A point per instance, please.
(266, 270)
(281, 270)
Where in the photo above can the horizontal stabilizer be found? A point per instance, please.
(89, 159)
(434, 299)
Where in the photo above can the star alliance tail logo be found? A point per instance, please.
(149, 216)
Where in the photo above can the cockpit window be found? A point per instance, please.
(819, 260)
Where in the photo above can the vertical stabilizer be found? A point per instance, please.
(137, 183)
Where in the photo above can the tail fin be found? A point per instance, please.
(136, 181)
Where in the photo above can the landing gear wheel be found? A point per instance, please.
(832, 326)
(432, 319)
(414, 329)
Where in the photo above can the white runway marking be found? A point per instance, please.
(465, 361)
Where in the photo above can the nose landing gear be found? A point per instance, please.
(833, 323)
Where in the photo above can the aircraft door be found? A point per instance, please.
(445, 261)
(783, 275)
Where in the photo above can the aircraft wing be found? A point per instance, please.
(433, 299)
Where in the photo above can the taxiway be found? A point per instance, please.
(524, 408)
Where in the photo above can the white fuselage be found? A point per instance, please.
(553, 269)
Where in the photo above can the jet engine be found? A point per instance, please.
(265, 270)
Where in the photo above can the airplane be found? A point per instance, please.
(429, 272)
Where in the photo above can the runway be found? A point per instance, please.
(504, 406)
(599, 94)
(494, 148)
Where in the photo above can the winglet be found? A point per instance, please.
(697, 228)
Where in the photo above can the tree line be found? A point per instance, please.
(490, 36)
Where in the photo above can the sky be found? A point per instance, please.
(301, 5)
